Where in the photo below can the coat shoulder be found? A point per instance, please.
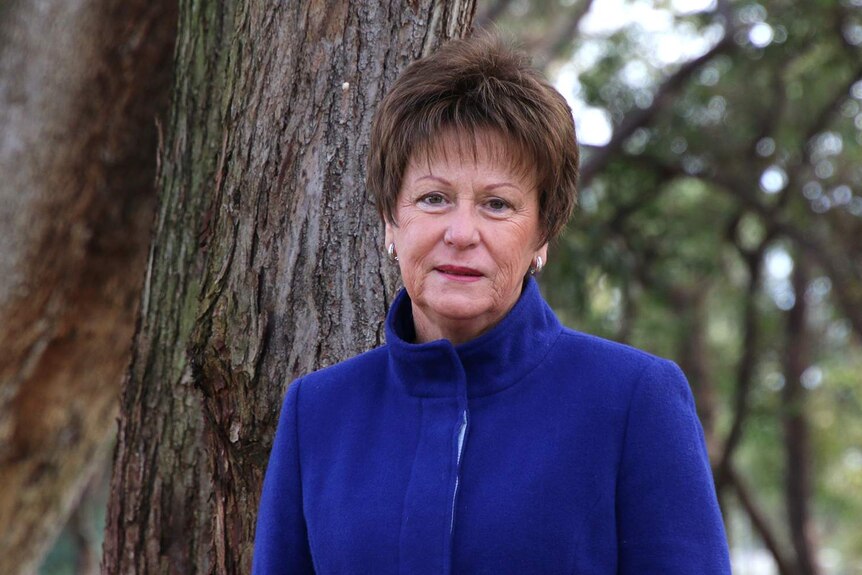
(347, 377)
(605, 362)
(605, 349)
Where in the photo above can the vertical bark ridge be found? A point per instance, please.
(160, 486)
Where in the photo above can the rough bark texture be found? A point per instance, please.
(267, 259)
(80, 85)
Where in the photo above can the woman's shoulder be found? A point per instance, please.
(367, 362)
(604, 360)
(603, 350)
(349, 371)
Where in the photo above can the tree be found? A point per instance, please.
(266, 261)
(80, 85)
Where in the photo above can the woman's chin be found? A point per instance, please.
(461, 308)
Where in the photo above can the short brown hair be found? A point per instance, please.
(472, 85)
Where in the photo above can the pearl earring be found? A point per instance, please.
(538, 267)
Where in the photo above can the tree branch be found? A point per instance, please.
(838, 266)
(844, 280)
(820, 123)
(745, 368)
(760, 522)
(639, 117)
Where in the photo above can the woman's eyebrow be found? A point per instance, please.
(436, 178)
(489, 187)
(502, 185)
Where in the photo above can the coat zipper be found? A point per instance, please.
(462, 430)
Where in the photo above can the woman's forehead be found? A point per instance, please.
(484, 145)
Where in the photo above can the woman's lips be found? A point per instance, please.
(459, 273)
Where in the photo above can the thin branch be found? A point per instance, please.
(760, 522)
(639, 117)
(844, 281)
(838, 266)
(745, 368)
(830, 110)
(820, 123)
(768, 120)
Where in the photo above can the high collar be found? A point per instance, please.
(490, 363)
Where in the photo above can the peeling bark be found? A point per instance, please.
(267, 259)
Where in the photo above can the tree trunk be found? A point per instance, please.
(797, 441)
(267, 259)
(694, 355)
(80, 85)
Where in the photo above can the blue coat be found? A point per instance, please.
(532, 449)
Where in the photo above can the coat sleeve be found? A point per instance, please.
(281, 538)
(668, 520)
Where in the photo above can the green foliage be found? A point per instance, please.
(759, 148)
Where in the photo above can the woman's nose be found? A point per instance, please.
(462, 230)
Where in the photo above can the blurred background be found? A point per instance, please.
(720, 224)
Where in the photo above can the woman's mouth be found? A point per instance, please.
(459, 273)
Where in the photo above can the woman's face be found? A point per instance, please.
(467, 232)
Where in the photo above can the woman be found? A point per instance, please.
(484, 437)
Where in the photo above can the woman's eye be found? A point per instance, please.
(497, 204)
(433, 200)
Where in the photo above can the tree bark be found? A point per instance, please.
(80, 85)
(266, 263)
